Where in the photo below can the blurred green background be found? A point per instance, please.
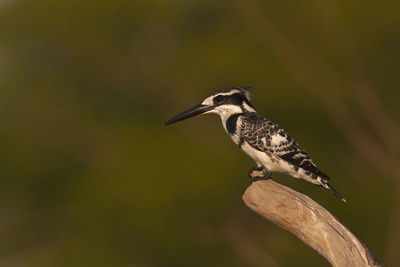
(89, 177)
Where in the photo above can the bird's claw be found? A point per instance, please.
(259, 173)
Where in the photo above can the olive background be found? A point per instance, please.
(90, 177)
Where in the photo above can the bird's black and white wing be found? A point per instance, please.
(266, 136)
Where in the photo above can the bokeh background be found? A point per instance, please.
(89, 177)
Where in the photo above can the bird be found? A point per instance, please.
(268, 144)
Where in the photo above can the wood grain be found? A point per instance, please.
(309, 221)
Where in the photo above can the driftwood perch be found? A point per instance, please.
(309, 221)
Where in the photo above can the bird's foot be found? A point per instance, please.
(256, 172)
(259, 173)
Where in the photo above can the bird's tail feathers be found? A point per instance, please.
(328, 187)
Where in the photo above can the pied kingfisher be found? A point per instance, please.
(264, 141)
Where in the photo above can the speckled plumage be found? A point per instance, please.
(268, 137)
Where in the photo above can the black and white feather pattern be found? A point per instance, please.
(268, 137)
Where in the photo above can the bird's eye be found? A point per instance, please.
(219, 98)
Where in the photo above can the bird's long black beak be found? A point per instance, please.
(194, 111)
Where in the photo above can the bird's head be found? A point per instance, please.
(224, 102)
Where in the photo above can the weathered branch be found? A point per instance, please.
(309, 221)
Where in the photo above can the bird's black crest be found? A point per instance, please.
(245, 90)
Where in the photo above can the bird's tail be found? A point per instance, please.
(328, 187)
